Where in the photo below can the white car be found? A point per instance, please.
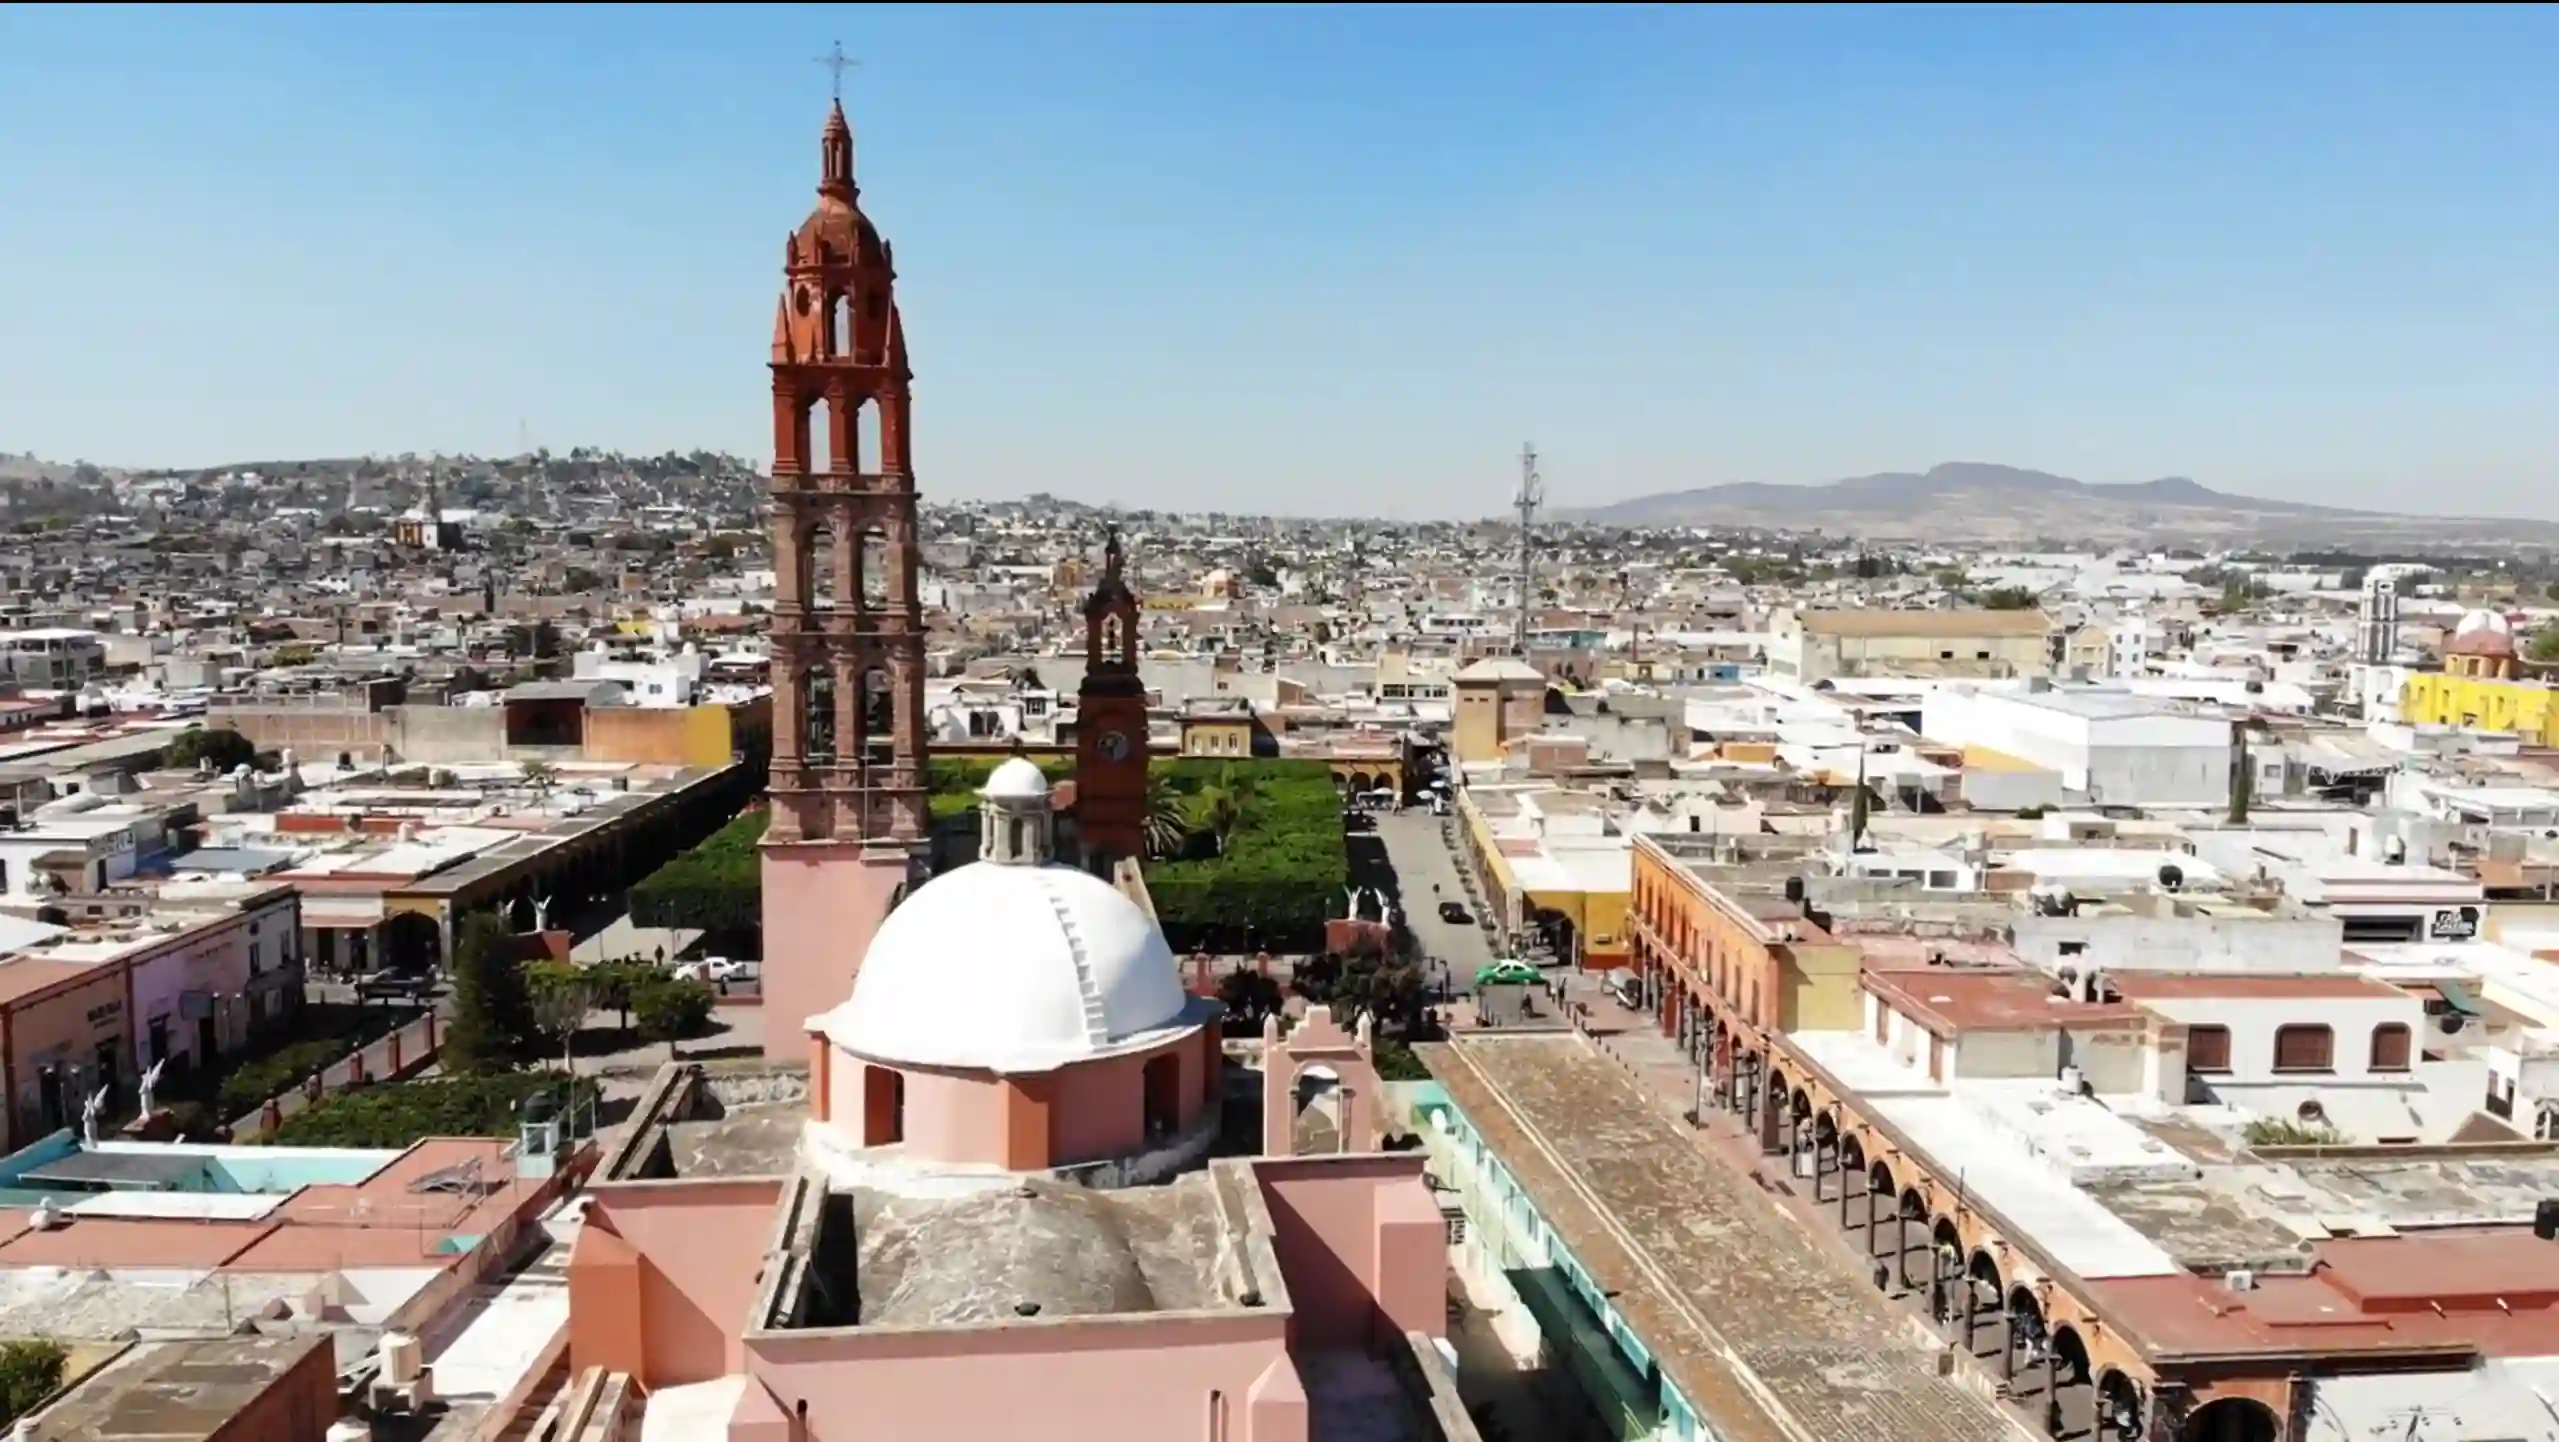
(714, 969)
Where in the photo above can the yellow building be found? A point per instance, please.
(2478, 690)
(1548, 864)
(2474, 703)
(1497, 699)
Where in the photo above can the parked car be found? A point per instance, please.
(1454, 913)
(1508, 973)
(714, 969)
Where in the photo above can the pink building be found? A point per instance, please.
(990, 1212)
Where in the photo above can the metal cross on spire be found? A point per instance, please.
(836, 63)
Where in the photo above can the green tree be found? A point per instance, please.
(1167, 825)
(222, 746)
(493, 1025)
(1249, 996)
(669, 1010)
(29, 1373)
(2545, 645)
(1390, 991)
(611, 985)
(2009, 598)
(1223, 803)
(560, 995)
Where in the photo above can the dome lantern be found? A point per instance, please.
(1014, 821)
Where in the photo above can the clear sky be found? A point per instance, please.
(1315, 260)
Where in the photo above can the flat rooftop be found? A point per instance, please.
(174, 1391)
(1804, 1347)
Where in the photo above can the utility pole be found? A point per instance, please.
(1531, 492)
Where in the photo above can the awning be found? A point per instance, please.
(2457, 996)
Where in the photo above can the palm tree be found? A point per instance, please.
(1222, 805)
(1167, 829)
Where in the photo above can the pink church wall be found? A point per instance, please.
(1361, 1246)
(700, 1246)
(1110, 1379)
(950, 1116)
(1097, 1109)
(822, 903)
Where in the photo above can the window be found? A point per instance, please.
(2390, 1047)
(2305, 1047)
(2208, 1048)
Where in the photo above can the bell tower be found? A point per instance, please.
(1110, 722)
(848, 783)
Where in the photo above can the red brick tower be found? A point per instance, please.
(1110, 722)
(848, 783)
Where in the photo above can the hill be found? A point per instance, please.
(1971, 500)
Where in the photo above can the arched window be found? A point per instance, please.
(818, 581)
(1110, 638)
(2390, 1050)
(839, 326)
(879, 710)
(876, 563)
(820, 449)
(2305, 1047)
(867, 455)
(817, 714)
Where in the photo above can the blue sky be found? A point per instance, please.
(1337, 260)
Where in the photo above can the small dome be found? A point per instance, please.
(1016, 780)
(2482, 633)
(1011, 969)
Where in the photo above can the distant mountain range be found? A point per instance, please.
(1972, 500)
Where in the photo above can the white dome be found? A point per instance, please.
(1011, 969)
(1016, 780)
(2483, 620)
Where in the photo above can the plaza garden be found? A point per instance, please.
(1242, 855)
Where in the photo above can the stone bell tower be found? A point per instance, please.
(1110, 722)
(848, 780)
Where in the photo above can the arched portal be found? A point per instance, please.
(2023, 1362)
(2232, 1419)
(412, 942)
(1985, 1319)
(1945, 1271)
(1318, 1097)
(2070, 1391)
(1910, 1237)
(2120, 1413)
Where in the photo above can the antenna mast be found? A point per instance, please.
(1532, 492)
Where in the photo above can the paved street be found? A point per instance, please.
(1422, 860)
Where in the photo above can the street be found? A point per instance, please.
(1421, 860)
